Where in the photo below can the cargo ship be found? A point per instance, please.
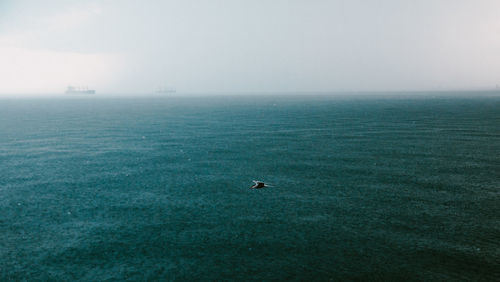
(79, 90)
(166, 90)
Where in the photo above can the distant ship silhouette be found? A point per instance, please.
(79, 90)
(165, 90)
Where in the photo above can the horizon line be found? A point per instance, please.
(180, 94)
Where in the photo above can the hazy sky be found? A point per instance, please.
(118, 46)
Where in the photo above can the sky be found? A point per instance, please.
(257, 46)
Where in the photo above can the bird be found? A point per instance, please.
(259, 185)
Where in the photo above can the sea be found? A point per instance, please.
(363, 188)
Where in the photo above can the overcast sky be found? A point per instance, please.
(117, 46)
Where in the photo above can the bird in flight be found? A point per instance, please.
(259, 185)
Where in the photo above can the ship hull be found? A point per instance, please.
(86, 92)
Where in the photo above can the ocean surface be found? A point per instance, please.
(364, 188)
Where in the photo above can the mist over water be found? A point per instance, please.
(130, 134)
(372, 188)
(121, 46)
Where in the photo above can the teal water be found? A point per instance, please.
(154, 189)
